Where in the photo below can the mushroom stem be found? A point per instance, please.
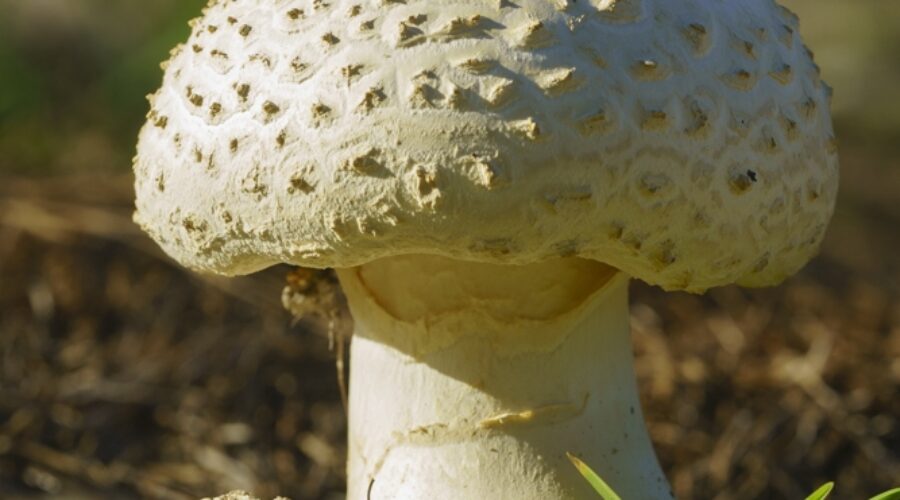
(472, 380)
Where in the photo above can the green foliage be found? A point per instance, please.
(20, 94)
(823, 492)
(598, 484)
(72, 97)
(893, 494)
(607, 493)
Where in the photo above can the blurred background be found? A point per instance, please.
(123, 376)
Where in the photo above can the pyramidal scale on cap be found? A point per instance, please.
(686, 143)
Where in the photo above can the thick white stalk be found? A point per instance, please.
(472, 381)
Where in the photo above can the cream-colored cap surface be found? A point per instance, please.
(685, 142)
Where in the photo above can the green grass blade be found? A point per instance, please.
(893, 494)
(598, 484)
(823, 492)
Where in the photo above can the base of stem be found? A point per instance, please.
(470, 416)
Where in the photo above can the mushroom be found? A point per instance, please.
(486, 177)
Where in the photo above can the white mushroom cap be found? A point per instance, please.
(685, 142)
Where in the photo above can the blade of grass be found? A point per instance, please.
(598, 484)
(822, 493)
(893, 494)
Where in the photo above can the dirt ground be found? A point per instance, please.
(124, 376)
